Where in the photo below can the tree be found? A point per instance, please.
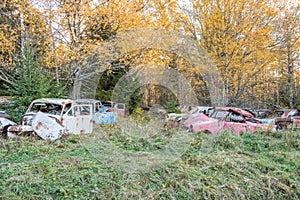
(237, 36)
(17, 20)
(29, 82)
(9, 36)
(288, 43)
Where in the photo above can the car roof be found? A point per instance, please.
(54, 101)
(236, 110)
(87, 101)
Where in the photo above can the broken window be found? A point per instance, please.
(236, 118)
(49, 108)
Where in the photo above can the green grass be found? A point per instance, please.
(250, 166)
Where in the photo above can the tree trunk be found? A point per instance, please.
(290, 78)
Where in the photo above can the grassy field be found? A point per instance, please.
(250, 166)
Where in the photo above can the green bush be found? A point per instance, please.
(171, 107)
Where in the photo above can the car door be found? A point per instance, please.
(235, 123)
(78, 119)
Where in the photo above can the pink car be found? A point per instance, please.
(226, 118)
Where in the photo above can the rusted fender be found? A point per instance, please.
(19, 129)
(46, 127)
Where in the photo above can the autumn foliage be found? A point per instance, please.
(254, 44)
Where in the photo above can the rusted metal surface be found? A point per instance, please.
(201, 122)
(227, 118)
(193, 110)
(283, 112)
(120, 109)
(19, 129)
(47, 128)
(4, 100)
(200, 117)
(50, 106)
(157, 110)
(296, 122)
(115, 107)
(289, 119)
(236, 110)
(78, 119)
(51, 118)
(4, 123)
(53, 100)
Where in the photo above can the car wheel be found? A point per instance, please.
(191, 128)
(207, 132)
(4, 131)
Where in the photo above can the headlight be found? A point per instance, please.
(27, 120)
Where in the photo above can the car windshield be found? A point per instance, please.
(54, 109)
(219, 114)
(236, 117)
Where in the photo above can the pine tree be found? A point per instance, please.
(29, 83)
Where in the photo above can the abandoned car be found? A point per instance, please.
(103, 114)
(288, 119)
(50, 118)
(192, 110)
(226, 118)
(115, 107)
(173, 119)
(4, 100)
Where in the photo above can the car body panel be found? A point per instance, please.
(100, 113)
(289, 119)
(50, 118)
(226, 118)
(47, 128)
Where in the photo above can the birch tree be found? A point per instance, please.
(237, 36)
(288, 43)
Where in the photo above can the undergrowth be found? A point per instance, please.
(226, 166)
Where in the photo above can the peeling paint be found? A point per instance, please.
(226, 118)
(51, 118)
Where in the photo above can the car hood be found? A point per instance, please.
(196, 118)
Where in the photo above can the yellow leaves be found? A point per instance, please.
(237, 36)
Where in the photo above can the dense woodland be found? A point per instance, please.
(254, 44)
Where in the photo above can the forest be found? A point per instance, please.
(254, 46)
(239, 53)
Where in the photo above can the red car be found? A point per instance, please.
(226, 118)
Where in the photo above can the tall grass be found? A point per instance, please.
(249, 166)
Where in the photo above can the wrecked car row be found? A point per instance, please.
(212, 120)
(227, 118)
(50, 118)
